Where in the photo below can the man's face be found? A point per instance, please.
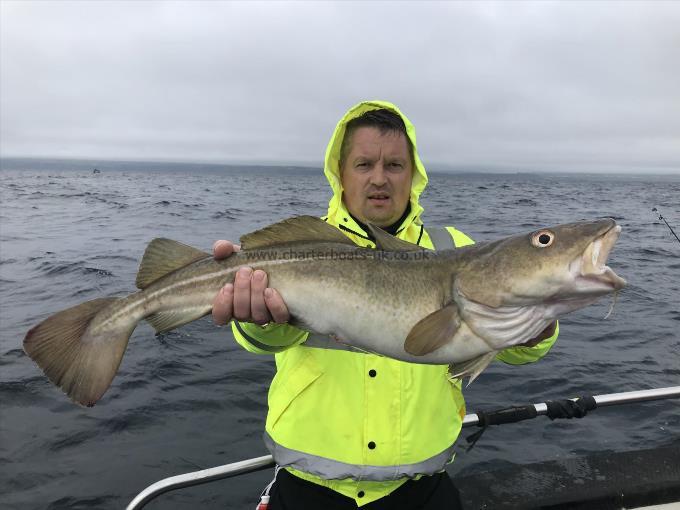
(376, 176)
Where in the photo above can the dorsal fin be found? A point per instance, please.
(294, 230)
(387, 242)
(163, 256)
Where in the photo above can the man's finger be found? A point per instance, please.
(277, 307)
(223, 305)
(223, 249)
(242, 294)
(258, 308)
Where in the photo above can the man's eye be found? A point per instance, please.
(361, 164)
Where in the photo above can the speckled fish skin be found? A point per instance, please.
(495, 295)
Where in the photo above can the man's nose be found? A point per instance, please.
(378, 175)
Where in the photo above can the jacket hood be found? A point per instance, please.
(332, 161)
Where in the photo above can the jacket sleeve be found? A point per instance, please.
(268, 339)
(513, 355)
(522, 355)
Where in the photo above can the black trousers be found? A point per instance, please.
(435, 492)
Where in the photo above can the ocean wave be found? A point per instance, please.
(29, 389)
(227, 214)
(51, 268)
(73, 439)
(75, 503)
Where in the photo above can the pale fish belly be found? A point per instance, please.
(379, 327)
(374, 337)
(363, 325)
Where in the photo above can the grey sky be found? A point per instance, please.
(578, 85)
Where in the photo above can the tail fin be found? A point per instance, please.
(83, 366)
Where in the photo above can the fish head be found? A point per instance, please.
(562, 267)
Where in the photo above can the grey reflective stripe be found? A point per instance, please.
(257, 343)
(330, 469)
(326, 342)
(441, 238)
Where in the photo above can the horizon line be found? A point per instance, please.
(434, 167)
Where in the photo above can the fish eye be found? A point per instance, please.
(542, 238)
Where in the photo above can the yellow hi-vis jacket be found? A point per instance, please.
(359, 423)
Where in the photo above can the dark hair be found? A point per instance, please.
(385, 121)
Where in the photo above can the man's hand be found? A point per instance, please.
(546, 333)
(248, 299)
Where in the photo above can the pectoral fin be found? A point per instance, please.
(434, 331)
(472, 368)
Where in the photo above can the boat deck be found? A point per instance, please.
(600, 481)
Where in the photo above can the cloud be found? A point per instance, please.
(530, 85)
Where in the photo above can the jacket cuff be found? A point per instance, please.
(268, 339)
(522, 355)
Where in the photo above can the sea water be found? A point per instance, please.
(193, 399)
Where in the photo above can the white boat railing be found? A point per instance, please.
(507, 415)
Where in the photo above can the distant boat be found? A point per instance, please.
(96, 171)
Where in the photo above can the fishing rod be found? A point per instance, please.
(654, 209)
(568, 408)
(560, 409)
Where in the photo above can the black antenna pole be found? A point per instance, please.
(654, 209)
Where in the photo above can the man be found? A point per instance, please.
(355, 429)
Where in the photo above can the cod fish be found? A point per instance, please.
(458, 307)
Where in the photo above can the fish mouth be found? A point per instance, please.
(591, 267)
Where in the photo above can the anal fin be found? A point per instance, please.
(472, 368)
(165, 321)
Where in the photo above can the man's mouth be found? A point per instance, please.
(378, 198)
